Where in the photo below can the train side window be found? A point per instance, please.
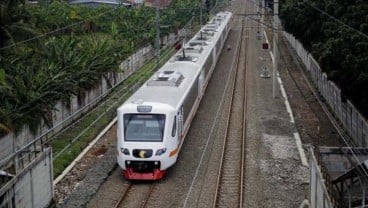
(173, 133)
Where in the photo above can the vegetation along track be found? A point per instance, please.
(68, 143)
(229, 189)
(136, 195)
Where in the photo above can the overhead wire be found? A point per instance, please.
(343, 135)
(145, 24)
(40, 36)
(348, 144)
(335, 19)
(324, 13)
(59, 29)
(32, 103)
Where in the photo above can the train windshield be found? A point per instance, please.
(144, 127)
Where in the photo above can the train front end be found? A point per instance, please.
(146, 147)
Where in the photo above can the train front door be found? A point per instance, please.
(180, 124)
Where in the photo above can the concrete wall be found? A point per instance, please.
(6, 146)
(32, 187)
(319, 196)
(24, 156)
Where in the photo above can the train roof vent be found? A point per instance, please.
(202, 37)
(205, 35)
(212, 26)
(209, 30)
(193, 49)
(208, 33)
(220, 17)
(198, 43)
(166, 78)
(217, 22)
(185, 58)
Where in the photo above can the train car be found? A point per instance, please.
(153, 122)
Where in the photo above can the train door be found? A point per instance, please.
(180, 123)
(214, 52)
(200, 81)
(214, 58)
(222, 37)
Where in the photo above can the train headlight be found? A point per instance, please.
(125, 151)
(160, 151)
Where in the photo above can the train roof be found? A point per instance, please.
(173, 80)
(167, 85)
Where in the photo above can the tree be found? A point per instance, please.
(70, 60)
(335, 31)
(14, 24)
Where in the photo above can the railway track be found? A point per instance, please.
(229, 189)
(327, 132)
(136, 195)
(320, 109)
(142, 194)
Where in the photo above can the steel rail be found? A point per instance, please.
(345, 138)
(148, 196)
(219, 174)
(129, 191)
(123, 196)
(243, 156)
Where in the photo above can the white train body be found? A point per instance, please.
(153, 122)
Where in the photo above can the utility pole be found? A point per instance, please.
(157, 24)
(275, 42)
(200, 13)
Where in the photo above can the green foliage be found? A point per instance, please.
(113, 100)
(341, 47)
(82, 44)
(62, 67)
(14, 22)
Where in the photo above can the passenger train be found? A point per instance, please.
(153, 122)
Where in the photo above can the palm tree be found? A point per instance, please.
(14, 24)
(4, 88)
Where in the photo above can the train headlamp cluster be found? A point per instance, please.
(125, 151)
(160, 151)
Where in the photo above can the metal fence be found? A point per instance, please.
(21, 148)
(64, 114)
(20, 151)
(350, 119)
(319, 193)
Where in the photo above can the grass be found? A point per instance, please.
(76, 138)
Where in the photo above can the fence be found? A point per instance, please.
(352, 122)
(64, 114)
(349, 118)
(319, 196)
(19, 152)
(32, 187)
(26, 145)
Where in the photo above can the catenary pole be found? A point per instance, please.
(200, 13)
(157, 24)
(275, 41)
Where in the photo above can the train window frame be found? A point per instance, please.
(173, 132)
(161, 118)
